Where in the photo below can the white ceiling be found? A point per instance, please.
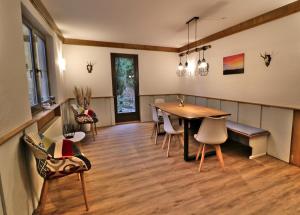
(151, 22)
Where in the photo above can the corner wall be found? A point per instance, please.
(277, 84)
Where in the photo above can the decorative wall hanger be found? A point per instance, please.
(89, 67)
(267, 58)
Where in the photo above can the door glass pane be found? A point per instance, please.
(125, 85)
(41, 66)
(29, 66)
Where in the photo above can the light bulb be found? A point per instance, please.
(180, 67)
(186, 65)
(202, 65)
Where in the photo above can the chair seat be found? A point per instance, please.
(177, 130)
(83, 119)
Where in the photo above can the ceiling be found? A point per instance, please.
(151, 22)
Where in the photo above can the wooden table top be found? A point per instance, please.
(190, 111)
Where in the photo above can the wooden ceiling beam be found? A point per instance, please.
(119, 45)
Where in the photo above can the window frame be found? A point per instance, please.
(33, 30)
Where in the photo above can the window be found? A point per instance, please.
(36, 67)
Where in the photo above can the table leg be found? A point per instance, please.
(186, 141)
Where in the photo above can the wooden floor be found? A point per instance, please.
(131, 175)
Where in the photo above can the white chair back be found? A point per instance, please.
(167, 123)
(154, 113)
(212, 131)
(159, 100)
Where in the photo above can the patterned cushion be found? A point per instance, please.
(35, 143)
(61, 158)
(82, 119)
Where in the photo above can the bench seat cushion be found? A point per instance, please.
(245, 130)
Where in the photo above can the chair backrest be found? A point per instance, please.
(167, 123)
(154, 113)
(212, 131)
(159, 100)
(77, 110)
(34, 141)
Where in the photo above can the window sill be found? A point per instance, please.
(44, 117)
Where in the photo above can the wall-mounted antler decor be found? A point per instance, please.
(89, 67)
(267, 58)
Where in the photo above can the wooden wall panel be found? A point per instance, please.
(55, 129)
(190, 99)
(214, 103)
(279, 123)
(230, 107)
(171, 98)
(159, 97)
(201, 101)
(145, 108)
(249, 114)
(295, 147)
(102, 107)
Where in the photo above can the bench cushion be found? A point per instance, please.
(245, 130)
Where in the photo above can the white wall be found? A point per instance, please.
(13, 84)
(277, 84)
(157, 70)
(21, 183)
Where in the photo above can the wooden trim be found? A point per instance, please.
(94, 97)
(243, 102)
(40, 7)
(171, 94)
(250, 23)
(15, 131)
(41, 119)
(71, 41)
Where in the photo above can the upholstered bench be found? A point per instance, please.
(251, 136)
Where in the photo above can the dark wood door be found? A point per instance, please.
(295, 148)
(125, 81)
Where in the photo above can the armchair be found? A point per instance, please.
(55, 161)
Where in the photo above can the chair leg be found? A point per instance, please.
(202, 157)
(165, 140)
(43, 198)
(156, 133)
(181, 139)
(179, 142)
(219, 155)
(84, 190)
(153, 131)
(95, 126)
(93, 132)
(199, 151)
(170, 138)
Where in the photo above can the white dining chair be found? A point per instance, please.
(156, 122)
(159, 101)
(212, 132)
(171, 132)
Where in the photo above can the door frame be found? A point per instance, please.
(126, 117)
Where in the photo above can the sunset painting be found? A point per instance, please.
(233, 64)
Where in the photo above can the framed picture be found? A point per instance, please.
(233, 64)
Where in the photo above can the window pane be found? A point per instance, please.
(29, 66)
(41, 66)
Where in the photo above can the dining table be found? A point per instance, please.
(187, 113)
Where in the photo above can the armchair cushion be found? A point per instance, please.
(61, 159)
(83, 116)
